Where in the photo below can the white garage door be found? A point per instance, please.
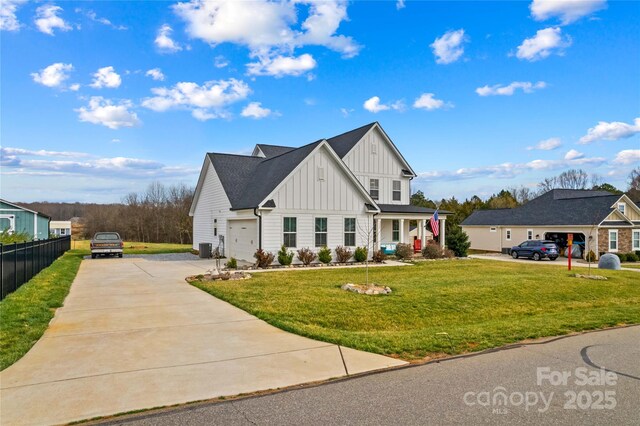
(243, 239)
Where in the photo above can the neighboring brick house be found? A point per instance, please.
(599, 221)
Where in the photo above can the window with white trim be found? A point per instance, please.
(508, 232)
(321, 231)
(397, 190)
(289, 232)
(613, 240)
(374, 188)
(395, 230)
(529, 234)
(350, 231)
(621, 207)
(635, 240)
(493, 229)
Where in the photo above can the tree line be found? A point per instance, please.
(160, 214)
(517, 196)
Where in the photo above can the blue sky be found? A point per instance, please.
(100, 98)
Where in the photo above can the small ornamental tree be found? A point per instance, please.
(458, 241)
(306, 256)
(343, 254)
(285, 257)
(263, 258)
(361, 254)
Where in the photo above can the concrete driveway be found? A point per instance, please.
(133, 334)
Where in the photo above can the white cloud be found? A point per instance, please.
(264, 25)
(546, 145)
(54, 75)
(573, 154)
(280, 66)
(499, 89)
(106, 77)
(79, 163)
(628, 156)
(374, 105)
(346, 111)
(156, 74)
(206, 101)
(449, 48)
(567, 11)
(611, 131)
(8, 19)
(543, 44)
(400, 4)
(220, 61)
(164, 42)
(47, 19)
(254, 110)
(105, 112)
(428, 102)
(74, 87)
(104, 21)
(510, 170)
(7, 151)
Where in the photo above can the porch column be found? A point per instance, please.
(423, 231)
(378, 232)
(402, 230)
(442, 228)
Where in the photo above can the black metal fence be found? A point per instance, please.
(22, 261)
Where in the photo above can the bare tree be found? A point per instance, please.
(522, 194)
(570, 179)
(366, 232)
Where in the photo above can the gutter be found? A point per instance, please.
(259, 216)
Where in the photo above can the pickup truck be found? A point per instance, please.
(106, 244)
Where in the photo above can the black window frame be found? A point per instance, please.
(395, 191)
(318, 232)
(395, 222)
(375, 193)
(349, 233)
(289, 236)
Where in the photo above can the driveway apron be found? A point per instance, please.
(133, 335)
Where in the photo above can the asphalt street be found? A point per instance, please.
(591, 378)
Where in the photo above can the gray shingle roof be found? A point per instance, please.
(270, 151)
(248, 180)
(556, 207)
(343, 143)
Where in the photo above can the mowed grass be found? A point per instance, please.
(479, 304)
(139, 248)
(25, 313)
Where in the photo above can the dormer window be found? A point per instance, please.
(621, 207)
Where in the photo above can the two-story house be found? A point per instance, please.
(351, 190)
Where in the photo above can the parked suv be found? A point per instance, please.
(536, 250)
(106, 244)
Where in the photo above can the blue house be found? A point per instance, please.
(18, 219)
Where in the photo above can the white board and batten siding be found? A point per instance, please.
(212, 204)
(374, 158)
(319, 187)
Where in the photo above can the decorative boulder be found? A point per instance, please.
(609, 261)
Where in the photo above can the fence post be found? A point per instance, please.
(15, 266)
(1, 271)
(24, 263)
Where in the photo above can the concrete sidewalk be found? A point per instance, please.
(133, 334)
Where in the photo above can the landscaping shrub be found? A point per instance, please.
(638, 253)
(361, 254)
(458, 241)
(632, 257)
(378, 256)
(621, 256)
(324, 255)
(404, 251)
(285, 257)
(7, 237)
(343, 254)
(263, 258)
(591, 257)
(432, 251)
(448, 253)
(232, 263)
(306, 256)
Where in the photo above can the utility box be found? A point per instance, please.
(205, 250)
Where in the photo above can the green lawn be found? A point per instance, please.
(479, 304)
(25, 313)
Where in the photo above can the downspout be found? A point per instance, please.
(259, 216)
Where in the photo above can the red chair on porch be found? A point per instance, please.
(417, 245)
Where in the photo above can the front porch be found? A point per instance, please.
(392, 226)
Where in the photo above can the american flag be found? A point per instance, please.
(434, 222)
